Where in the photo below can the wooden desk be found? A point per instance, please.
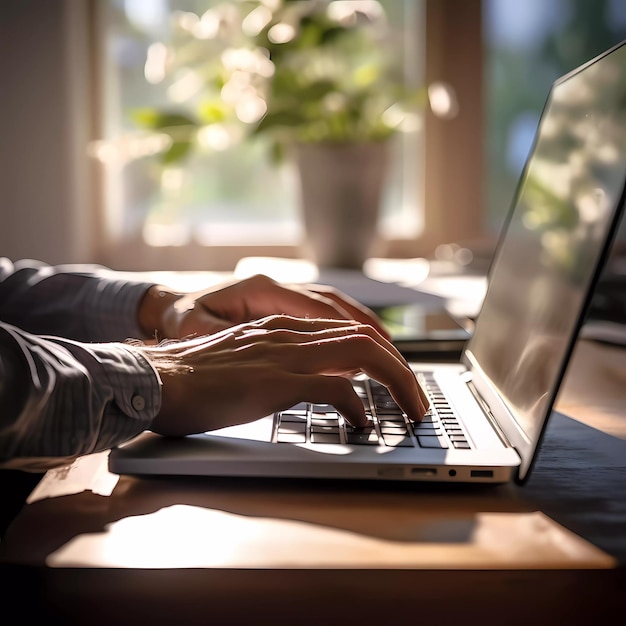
(233, 551)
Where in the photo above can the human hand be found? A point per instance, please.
(254, 369)
(168, 314)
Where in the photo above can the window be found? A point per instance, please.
(470, 166)
(527, 46)
(221, 204)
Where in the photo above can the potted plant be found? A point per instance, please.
(321, 80)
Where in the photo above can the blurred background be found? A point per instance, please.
(85, 174)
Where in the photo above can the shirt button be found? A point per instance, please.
(139, 404)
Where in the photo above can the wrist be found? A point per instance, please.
(152, 313)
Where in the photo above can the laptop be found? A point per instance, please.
(489, 409)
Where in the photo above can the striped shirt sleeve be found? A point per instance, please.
(63, 399)
(82, 302)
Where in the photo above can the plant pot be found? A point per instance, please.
(341, 192)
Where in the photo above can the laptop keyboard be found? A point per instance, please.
(388, 425)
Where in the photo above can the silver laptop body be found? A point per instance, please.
(489, 410)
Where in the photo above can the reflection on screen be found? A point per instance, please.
(412, 321)
(563, 208)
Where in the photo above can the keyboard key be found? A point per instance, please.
(325, 429)
(450, 421)
(398, 441)
(457, 438)
(391, 419)
(362, 438)
(292, 427)
(325, 438)
(360, 391)
(432, 441)
(331, 420)
(366, 403)
(292, 417)
(393, 428)
(461, 445)
(301, 406)
(323, 408)
(360, 429)
(426, 429)
(291, 438)
(378, 388)
(388, 409)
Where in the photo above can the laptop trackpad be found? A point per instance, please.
(260, 430)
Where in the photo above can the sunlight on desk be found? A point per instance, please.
(190, 536)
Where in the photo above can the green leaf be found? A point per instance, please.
(176, 125)
(288, 118)
(157, 120)
(176, 152)
(317, 90)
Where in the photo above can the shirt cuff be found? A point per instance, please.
(137, 396)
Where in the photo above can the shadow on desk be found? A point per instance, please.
(15, 486)
(209, 507)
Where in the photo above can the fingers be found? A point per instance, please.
(344, 307)
(300, 302)
(331, 390)
(355, 309)
(306, 301)
(338, 349)
(328, 327)
(321, 354)
(284, 329)
(340, 355)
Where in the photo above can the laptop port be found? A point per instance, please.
(424, 471)
(481, 473)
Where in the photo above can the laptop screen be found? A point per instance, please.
(563, 212)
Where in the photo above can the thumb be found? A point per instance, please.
(198, 321)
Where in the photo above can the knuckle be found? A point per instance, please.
(261, 280)
(361, 340)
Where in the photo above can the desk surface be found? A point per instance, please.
(241, 544)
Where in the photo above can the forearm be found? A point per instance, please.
(86, 303)
(68, 399)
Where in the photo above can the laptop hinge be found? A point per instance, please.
(489, 415)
